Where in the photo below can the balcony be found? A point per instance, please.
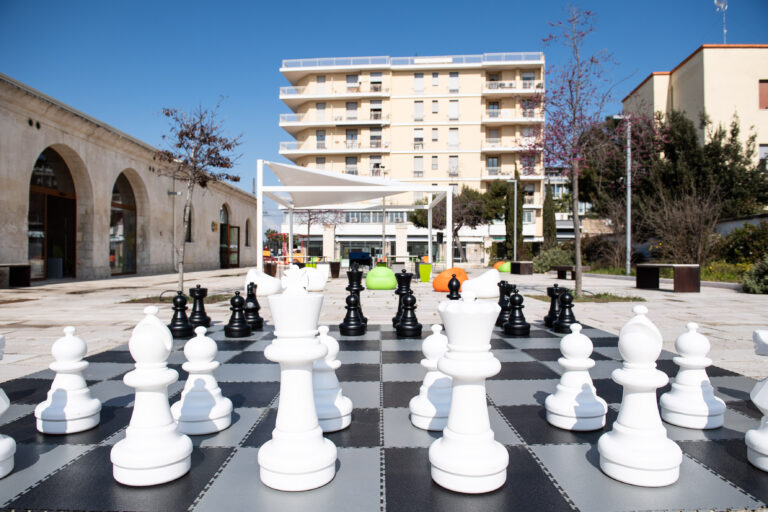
(453, 172)
(295, 95)
(350, 170)
(498, 88)
(513, 116)
(294, 123)
(506, 145)
(339, 147)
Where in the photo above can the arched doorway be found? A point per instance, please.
(229, 240)
(52, 218)
(122, 228)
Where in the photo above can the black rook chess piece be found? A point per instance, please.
(503, 304)
(553, 292)
(198, 317)
(355, 276)
(516, 325)
(353, 324)
(180, 326)
(252, 308)
(237, 326)
(454, 285)
(409, 326)
(565, 318)
(403, 287)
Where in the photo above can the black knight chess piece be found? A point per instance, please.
(353, 323)
(252, 308)
(565, 318)
(355, 276)
(553, 292)
(409, 326)
(198, 317)
(454, 285)
(180, 326)
(237, 326)
(516, 325)
(503, 304)
(403, 279)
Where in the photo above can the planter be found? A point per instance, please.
(270, 269)
(335, 269)
(425, 272)
(54, 268)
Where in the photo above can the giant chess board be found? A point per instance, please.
(382, 460)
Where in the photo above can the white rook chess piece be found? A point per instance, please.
(7, 444)
(430, 408)
(637, 451)
(202, 408)
(298, 457)
(692, 402)
(575, 405)
(334, 410)
(69, 407)
(757, 438)
(467, 458)
(153, 451)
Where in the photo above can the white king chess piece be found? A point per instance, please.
(69, 407)
(334, 410)
(7, 444)
(430, 408)
(757, 438)
(637, 451)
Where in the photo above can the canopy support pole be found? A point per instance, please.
(290, 236)
(449, 229)
(429, 230)
(259, 215)
(383, 228)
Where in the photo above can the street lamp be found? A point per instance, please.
(514, 221)
(629, 188)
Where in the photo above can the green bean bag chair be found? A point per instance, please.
(506, 267)
(380, 278)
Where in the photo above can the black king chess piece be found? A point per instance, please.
(237, 326)
(409, 326)
(565, 318)
(553, 292)
(355, 276)
(252, 308)
(454, 285)
(353, 323)
(403, 279)
(516, 325)
(503, 304)
(180, 326)
(198, 317)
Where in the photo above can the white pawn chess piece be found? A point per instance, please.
(298, 457)
(575, 404)
(202, 409)
(430, 408)
(756, 439)
(637, 450)
(485, 287)
(153, 451)
(7, 444)
(69, 407)
(691, 402)
(467, 458)
(334, 410)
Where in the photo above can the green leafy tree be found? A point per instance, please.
(520, 202)
(509, 224)
(548, 214)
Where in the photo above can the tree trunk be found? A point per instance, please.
(185, 227)
(462, 256)
(576, 227)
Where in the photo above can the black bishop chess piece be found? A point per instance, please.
(180, 326)
(353, 323)
(355, 276)
(516, 325)
(403, 279)
(454, 285)
(565, 318)
(252, 308)
(198, 317)
(553, 292)
(237, 326)
(503, 304)
(409, 326)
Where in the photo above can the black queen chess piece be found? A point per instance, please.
(355, 276)
(252, 308)
(454, 285)
(237, 326)
(516, 325)
(403, 279)
(180, 326)
(198, 317)
(503, 303)
(353, 323)
(409, 326)
(565, 318)
(553, 292)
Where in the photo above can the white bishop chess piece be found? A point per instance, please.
(691, 402)
(757, 438)
(467, 458)
(334, 410)
(202, 408)
(637, 451)
(69, 407)
(430, 408)
(575, 405)
(153, 451)
(7, 444)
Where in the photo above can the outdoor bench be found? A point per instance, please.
(686, 277)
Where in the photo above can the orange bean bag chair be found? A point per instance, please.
(440, 283)
(496, 265)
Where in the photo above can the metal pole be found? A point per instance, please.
(429, 230)
(259, 215)
(290, 236)
(449, 229)
(514, 216)
(383, 228)
(629, 195)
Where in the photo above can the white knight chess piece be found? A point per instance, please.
(757, 438)
(7, 444)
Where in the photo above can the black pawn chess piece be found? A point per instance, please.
(553, 292)
(180, 326)
(252, 308)
(198, 317)
(503, 304)
(565, 318)
(237, 326)
(403, 287)
(353, 323)
(516, 325)
(355, 276)
(454, 285)
(409, 326)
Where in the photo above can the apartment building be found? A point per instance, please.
(445, 120)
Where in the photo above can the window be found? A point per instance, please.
(493, 109)
(434, 163)
(188, 235)
(493, 140)
(321, 84)
(375, 137)
(351, 165)
(762, 154)
(528, 78)
(763, 93)
(527, 108)
(376, 81)
(418, 110)
(493, 165)
(453, 165)
(320, 162)
(453, 110)
(455, 188)
(453, 81)
(418, 197)
(527, 134)
(528, 217)
(365, 217)
(528, 194)
(353, 83)
(320, 137)
(376, 165)
(418, 166)
(435, 79)
(453, 138)
(353, 217)
(375, 109)
(418, 138)
(434, 106)
(418, 83)
(320, 111)
(247, 232)
(528, 163)
(351, 110)
(352, 139)
(434, 134)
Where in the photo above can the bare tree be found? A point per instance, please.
(322, 217)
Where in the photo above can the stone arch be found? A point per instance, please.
(143, 216)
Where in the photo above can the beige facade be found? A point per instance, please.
(77, 190)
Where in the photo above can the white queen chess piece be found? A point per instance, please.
(757, 438)
(467, 458)
(430, 408)
(691, 402)
(637, 451)
(7, 444)
(575, 405)
(153, 451)
(334, 410)
(69, 407)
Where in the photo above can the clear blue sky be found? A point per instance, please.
(122, 62)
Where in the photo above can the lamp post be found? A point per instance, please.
(514, 221)
(629, 188)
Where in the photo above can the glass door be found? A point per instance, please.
(234, 246)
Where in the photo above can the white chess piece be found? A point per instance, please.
(295, 279)
(334, 410)
(153, 451)
(485, 287)
(637, 450)
(691, 402)
(467, 459)
(7, 444)
(317, 277)
(265, 283)
(757, 438)
(430, 408)
(69, 407)
(575, 405)
(202, 409)
(760, 339)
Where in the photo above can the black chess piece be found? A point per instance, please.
(237, 326)
(454, 285)
(503, 304)
(403, 279)
(409, 326)
(252, 308)
(180, 326)
(353, 323)
(565, 318)
(516, 325)
(198, 317)
(355, 276)
(553, 292)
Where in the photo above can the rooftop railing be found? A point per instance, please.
(485, 58)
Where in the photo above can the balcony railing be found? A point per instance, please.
(453, 145)
(418, 146)
(375, 143)
(492, 171)
(418, 174)
(330, 89)
(504, 114)
(350, 170)
(512, 85)
(320, 145)
(326, 117)
(383, 60)
(377, 170)
(351, 145)
(453, 172)
(528, 200)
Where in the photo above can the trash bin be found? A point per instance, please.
(425, 272)
(335, 269)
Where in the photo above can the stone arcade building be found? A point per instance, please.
(80, 199)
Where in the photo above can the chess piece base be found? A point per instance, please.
(353, 331)
(757, 446)
(470, 466)
(256, 325)
(408, 332)
(575, 424)
(186, 331)
(236, 333)
(215, 420)
(699, 422)
(7, 451)
(692, 407)
(518, 330)
(335, 424)
(139, 462)
(427, 422)
(71, 426)
(430, 408)
(297, 461)
(336, 417)
(575, 410)
(562, 328)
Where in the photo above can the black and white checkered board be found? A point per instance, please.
(382, 460)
